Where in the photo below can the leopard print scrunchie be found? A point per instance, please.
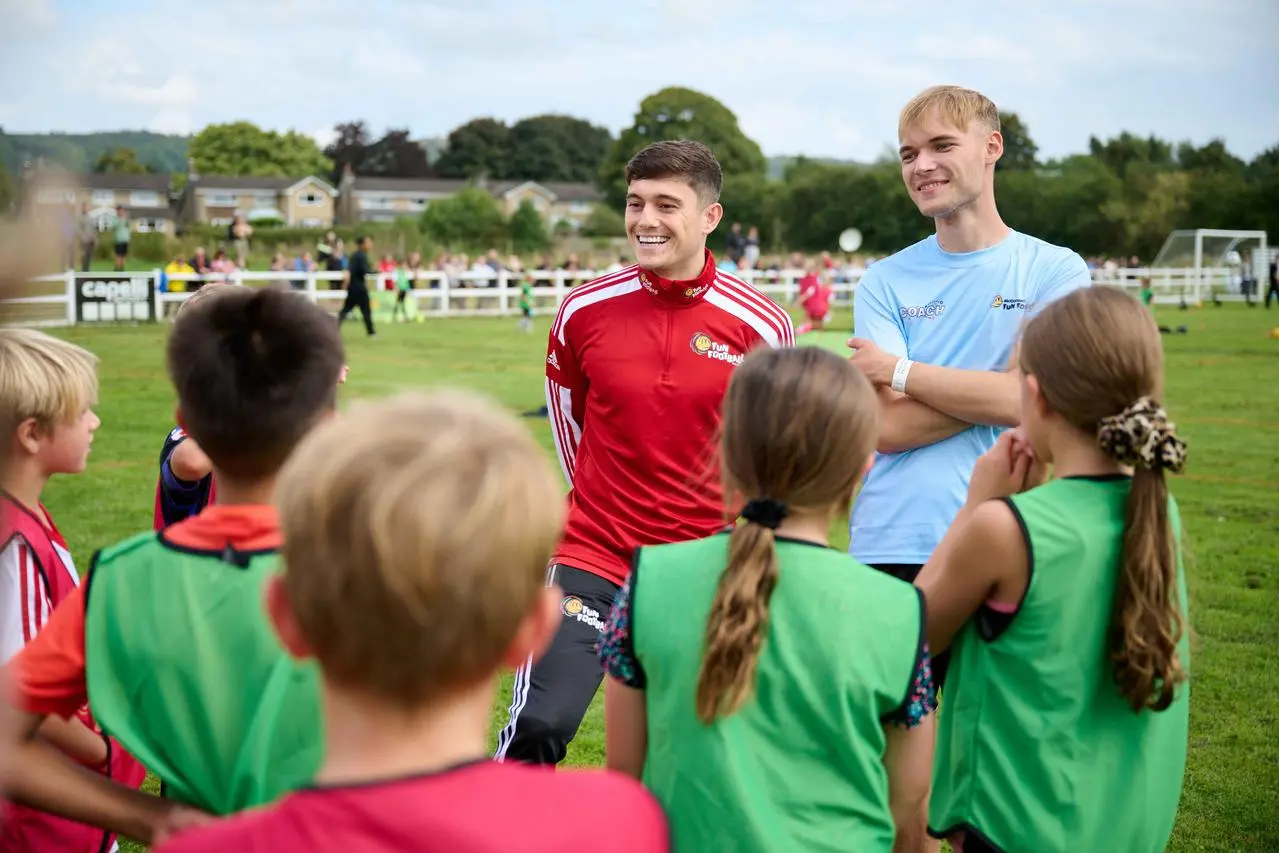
(1142, 436)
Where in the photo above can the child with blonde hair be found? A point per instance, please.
(1065, 720)
(48, 388)
(417, 532)
(774, 693)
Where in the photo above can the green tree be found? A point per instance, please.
(1019, 148)
(1127, 150)
(242, 148)
(679, 113)
(556, 148)
(527, 230)
(482, 146)
(122, 161)
(604, 221)
(468, 220)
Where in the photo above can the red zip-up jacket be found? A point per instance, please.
(636, 370)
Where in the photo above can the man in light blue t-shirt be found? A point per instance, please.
(935, 326)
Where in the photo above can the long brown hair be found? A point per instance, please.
(1098, 359)
(798, 427)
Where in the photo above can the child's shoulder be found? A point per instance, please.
(623, 807)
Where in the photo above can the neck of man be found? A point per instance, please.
(973, 227)
(24, 480)
(687, 270)
(1075, 454)
(235, 491)
(367, 740)
(681, 284)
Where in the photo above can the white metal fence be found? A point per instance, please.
(52, 300)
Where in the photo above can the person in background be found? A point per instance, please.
(121, 230)
(302, 264)
(336, 262)
(357, 290)
(88, 230)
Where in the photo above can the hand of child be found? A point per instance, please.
(177, 820)
(1037, 474)
(1000, 472)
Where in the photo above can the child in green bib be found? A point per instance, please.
(774, 693)
(1064, 721)
(526, 303)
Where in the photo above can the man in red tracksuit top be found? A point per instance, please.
(636, 369)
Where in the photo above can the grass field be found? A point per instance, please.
(1223, 390)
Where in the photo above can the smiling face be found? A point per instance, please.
(946, 167)
(667, 225)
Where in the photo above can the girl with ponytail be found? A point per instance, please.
(1064, 723)
(772, 692)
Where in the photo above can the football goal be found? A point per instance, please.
(1214, 263)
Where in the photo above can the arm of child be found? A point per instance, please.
(625, 728)
(908, 758)
(74, 739)
(189, 463)
(49, 781)
(625, 714)
(983, 554)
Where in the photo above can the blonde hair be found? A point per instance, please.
(1098, 358)
(799, 425)
(45, 378)
(417, 534)
(955, 104)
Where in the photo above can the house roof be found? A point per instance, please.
(562, 191)
(408, 185)
(119, 181)
(251, 182)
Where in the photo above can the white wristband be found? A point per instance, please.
(900, 373)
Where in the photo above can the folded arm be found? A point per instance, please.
(906, 423)
(973, 396)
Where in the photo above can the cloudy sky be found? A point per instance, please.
(819, 77)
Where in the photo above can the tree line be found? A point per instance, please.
(1120, 197)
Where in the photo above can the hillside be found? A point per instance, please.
(79, 151)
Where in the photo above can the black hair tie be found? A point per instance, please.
(765, 511)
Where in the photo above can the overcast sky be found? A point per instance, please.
(818, 77)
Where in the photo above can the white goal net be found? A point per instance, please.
(1218, 264)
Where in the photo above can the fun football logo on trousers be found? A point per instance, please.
(702, 345)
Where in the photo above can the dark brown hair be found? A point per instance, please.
(799, 425)
(683, 159)
(254, 369)
(1098, 359)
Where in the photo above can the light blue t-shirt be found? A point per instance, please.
(951, 310)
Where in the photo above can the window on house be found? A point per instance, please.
(144, 198)
(219, 199)
(104, 198)
(312, 222)
(310, 198)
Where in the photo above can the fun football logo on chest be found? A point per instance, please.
(702, 344)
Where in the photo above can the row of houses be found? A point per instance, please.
(303, 202)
